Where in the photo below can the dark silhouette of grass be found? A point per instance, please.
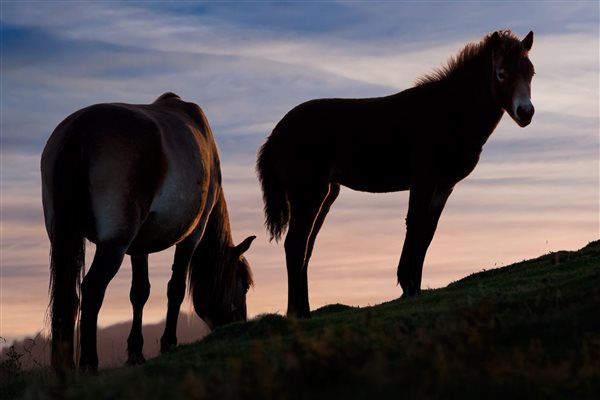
(112, 342)
(529, 330)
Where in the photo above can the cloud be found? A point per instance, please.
(247, 65)
(383, 56)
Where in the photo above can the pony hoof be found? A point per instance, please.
(166, 347)
(410, 294)
(293, 313)
(88, 369)
(135, 359)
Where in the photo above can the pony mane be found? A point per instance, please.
(222, 235)
(509, 42)
(212, 250)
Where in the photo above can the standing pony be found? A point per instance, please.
(137, 179)
(424, 139)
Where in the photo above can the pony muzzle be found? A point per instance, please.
(525, 115)
(522, 113)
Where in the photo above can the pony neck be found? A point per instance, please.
(210, 270)
(471, 84)
(475, 76)
(208, 266)
(218, 230)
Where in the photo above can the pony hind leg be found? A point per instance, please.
(305, 207)
(140, 291)
(334, 191)
(65, 269)
(107, 260)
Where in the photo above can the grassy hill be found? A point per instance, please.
(112, 342)
(529, 330)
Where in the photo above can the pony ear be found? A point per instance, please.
(528, 41)
(244, 246)
(496, 40)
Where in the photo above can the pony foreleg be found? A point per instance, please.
(175, 295)
(107, 260)
(176, 288)
(433, 216)
(140, 291)
(405, 266)
(425, 207)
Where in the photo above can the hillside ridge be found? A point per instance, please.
(530, 330)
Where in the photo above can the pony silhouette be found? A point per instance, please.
(137, 179)
(424, 139)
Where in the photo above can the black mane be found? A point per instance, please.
(509, 43)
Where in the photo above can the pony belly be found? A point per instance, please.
(372, 181)
(175, 212)
(141, 247)
(371, 187)
(157, 234)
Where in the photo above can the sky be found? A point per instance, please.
(535, 190)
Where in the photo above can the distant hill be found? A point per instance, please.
(112, 342)
(529, 330)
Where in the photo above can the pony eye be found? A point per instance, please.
(501, 74)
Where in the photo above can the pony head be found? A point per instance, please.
(512, 74)
(219, 296)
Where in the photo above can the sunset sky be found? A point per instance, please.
(246, 64)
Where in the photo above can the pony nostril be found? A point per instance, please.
(525, 113)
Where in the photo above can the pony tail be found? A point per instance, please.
(67, 252)
(277, 209)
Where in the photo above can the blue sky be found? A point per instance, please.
(246, 64)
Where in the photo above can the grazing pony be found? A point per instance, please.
(426, 139)
(137, 179)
